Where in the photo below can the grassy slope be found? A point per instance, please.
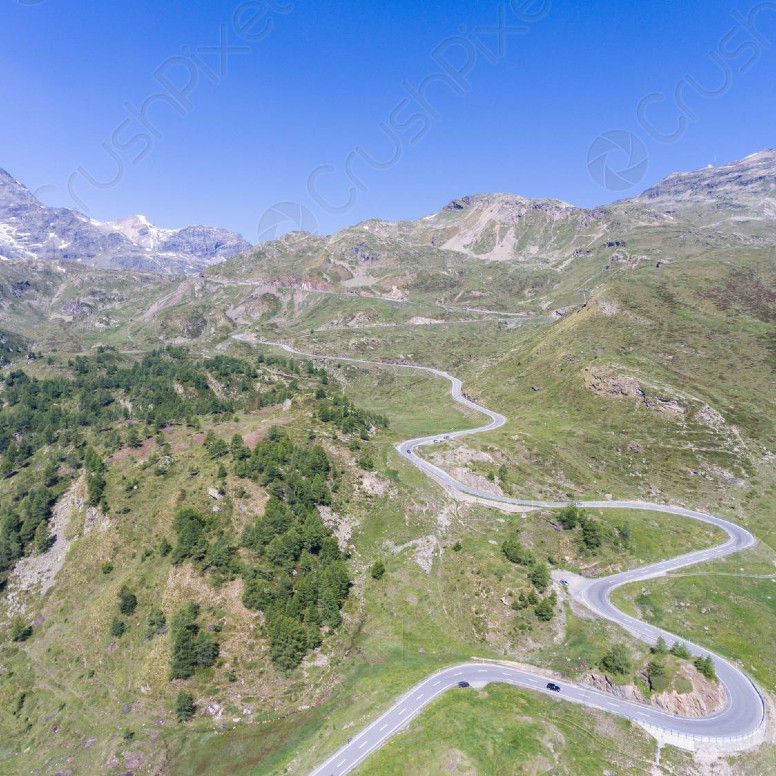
(665, 329)
(501, 730)
(411, 622)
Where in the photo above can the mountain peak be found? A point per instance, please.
(140, 231)
(503, 201)
(13, 193)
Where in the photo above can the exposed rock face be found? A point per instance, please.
(423, 550)
(458, 204)
(506, 227)
(710, 417)
(341, 526)
(705, 697)
(34, 575)
(616, 386)
(628, 692)
(363, 254)
(31, 230)
(208, 243)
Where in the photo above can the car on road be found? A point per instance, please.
(564, 582)
(552, 686)
(463, 684)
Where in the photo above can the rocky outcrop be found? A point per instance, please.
(704, 698)
(458, 204)
(738, 185)
(341, 526)
(611, 384)
(362, 253)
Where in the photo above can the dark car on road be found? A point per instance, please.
(552, 686)
(463, 684)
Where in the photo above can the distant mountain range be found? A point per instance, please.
(711, 206)
(31, 230)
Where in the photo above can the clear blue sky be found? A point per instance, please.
(228, 135)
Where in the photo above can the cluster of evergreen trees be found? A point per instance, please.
(617, 661)
(296, 573)
(538, 575)
(593, 532)
(299, 578)
(279, 377)
(192, 647)
(75, 418)
(349, 418)
(205, 548)
(127, 605)
(165, 386)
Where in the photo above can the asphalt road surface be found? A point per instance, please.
(744, 713)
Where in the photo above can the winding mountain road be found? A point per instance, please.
(738, 726)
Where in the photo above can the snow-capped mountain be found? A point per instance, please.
(31, 230)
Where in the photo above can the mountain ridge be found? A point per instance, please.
(737, 200)
(513, 228)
